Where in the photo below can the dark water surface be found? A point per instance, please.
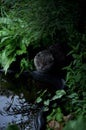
(17, 103)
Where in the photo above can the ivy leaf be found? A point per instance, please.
(39, 99)
(59, 115)
(59, 94)
(46, 109)
(47, 102)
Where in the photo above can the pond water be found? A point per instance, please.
(17, 103)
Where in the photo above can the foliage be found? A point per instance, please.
(74, 101)
(56, 114)
(46, 100)
(13, 42)
(76, 80)
(78, 124)
(41, 25)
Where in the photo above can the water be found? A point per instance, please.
(17, 103)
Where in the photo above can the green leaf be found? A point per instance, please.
(47, 102)
(46, 109)
(39, 99)
(52, 115)
(6, 66)
(59, 115)
(78, 77)
(6, 61)
(59, 94)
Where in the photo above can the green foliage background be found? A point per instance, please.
(40, 23)
(34, 23)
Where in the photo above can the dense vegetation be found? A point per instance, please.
(30, 25)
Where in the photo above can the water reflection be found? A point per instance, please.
(14, 108)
